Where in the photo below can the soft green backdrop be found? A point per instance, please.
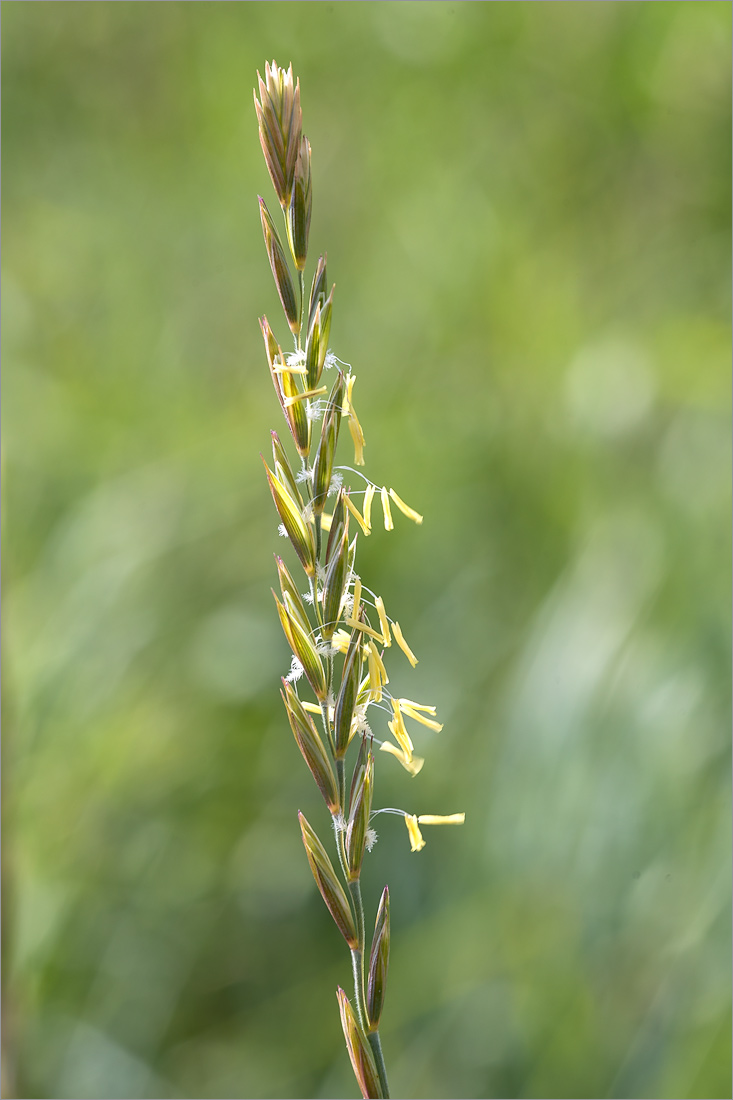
(526, 212)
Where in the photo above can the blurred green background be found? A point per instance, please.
(526, 208)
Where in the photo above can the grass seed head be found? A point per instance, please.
(280, 123)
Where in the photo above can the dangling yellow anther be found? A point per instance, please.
(383, 621)
(436, 819)
(399, 731)
(368, 498)
(375, 681)
(429, 722)
(355, 428)
(417, 706)
(416, 838)
(399, 638)
(411, 764)
(405, 508)
(356, 514)
(288, 401)
(356, 625)
(392, 727)
(380, 664)
(388, 524)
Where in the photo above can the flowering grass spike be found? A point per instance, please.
(338, 631)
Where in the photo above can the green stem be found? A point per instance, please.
(357, 963)
(357, 966)
(357, 955)
(374, 1043)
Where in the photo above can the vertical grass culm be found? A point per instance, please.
(338, 630)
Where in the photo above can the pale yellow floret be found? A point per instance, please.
(405, 508)
(416, 838)
(356, 514)
(306, 395)
(380, 663)
(400, 639)
(383, 622)
(432, 725)
(388, 524)
(355, 625)
(357, 594)
(368, 498)
(436, 819)
(411, 764)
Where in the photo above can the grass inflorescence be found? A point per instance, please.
(338, 630)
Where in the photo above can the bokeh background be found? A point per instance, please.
(526, 208)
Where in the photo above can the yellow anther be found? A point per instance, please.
(375, 681)
(416, 838)
(355, 625)
(429, 722)
(405, 508)
(399, 638)
(306, 395)
(368, 498)
(388, 524)
(436, 819)
(356, 514)
(383, 622)
(417, 706)
(380, 664)
(355, 428)
(411, 764)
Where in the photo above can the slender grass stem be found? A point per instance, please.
(375, 1044)
(357, 955)
(357, 963)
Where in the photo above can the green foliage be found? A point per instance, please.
(530, 204)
